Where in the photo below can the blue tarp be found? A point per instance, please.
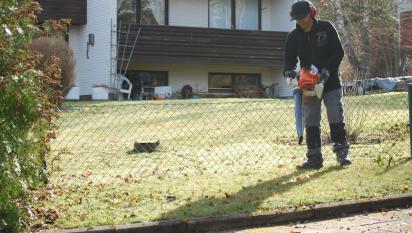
(387, 84)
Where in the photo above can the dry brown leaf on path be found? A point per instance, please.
(87, 173)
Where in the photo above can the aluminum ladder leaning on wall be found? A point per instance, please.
(118, 71)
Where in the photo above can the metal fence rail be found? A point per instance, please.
(97, 140)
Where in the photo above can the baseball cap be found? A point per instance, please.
(300, 10)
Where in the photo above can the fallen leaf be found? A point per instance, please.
(51, 194)
(405, 188)
(87, 173)
(229, 195)
(52, 216)
(114, 201)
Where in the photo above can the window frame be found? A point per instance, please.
(138, 9)
(233, 15)
(128, 21)
(146, 89)
(233, 75)
(139, 13)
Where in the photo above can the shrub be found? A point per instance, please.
(28, 99)
(355, 123)
(49, 47)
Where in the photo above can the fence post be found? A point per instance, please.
(410, 115)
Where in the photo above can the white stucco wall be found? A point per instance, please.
(282, 89)
(267, 14)
(96, 69)
(193, 13)
(275, 15)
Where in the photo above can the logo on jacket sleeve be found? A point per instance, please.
(321, 39)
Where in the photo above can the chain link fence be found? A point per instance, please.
(108, 141)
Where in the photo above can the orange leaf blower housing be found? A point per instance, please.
(307, 79)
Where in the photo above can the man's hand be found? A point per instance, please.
(290, 74)
(324, 75)
(292, 83)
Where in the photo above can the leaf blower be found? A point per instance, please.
(307, 83)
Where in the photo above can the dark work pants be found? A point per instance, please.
(312, 117)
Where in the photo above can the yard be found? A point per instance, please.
(216, 156)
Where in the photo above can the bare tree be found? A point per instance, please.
(369, 33)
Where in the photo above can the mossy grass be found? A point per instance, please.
(157, 198)
(216, 156)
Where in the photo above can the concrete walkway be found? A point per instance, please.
(398, 220)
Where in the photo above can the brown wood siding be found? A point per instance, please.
(76, 10)
(169, 44)
(406, 29)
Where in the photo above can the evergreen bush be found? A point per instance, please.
(28, 99)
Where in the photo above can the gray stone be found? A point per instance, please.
(146, 146)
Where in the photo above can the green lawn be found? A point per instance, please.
(216, 156)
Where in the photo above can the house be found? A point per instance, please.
(215, 46)
(405, 18)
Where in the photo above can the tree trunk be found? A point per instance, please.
(343, 25)
(364, 71)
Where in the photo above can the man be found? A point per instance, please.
(316, 42)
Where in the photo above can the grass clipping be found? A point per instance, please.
(159, 198)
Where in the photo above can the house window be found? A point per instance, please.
(247, 14)
(153, 12)
(145, 12)
(126, 11)
(146, 81)
(227, 82)
(236, 14)
(220, 14)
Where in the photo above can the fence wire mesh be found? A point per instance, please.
(107, 141)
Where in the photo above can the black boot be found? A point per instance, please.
(314, 155)
(340, 143)
(344, 161)
(311, 164)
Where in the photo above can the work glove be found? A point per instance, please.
(292, 83)
(289, 74)
(291, 78)
(324, 75)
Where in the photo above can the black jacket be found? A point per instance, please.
(321, 47)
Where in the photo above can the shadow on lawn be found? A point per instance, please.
(246, 200)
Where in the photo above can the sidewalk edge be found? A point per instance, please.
(238, 221)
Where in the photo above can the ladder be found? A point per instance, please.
(120, 63)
